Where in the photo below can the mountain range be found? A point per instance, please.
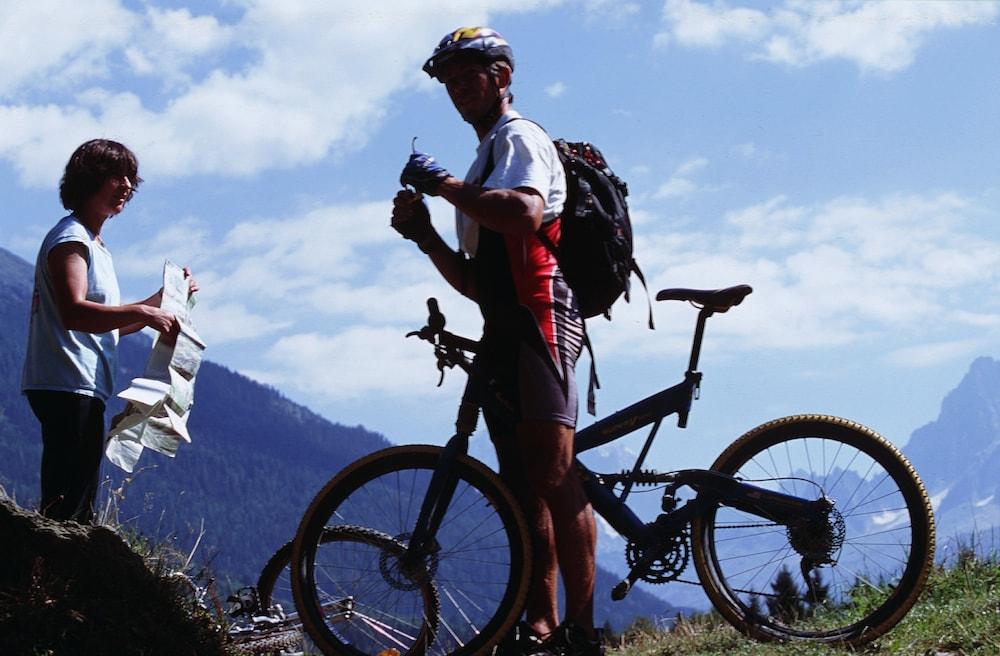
(958, 458)
(238, 490)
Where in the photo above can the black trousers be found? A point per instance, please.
(72, 446)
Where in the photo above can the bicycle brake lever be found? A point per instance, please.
(435, 320)
(426, 333)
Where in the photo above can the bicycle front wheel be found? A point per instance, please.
(479, 570)
(847, 579)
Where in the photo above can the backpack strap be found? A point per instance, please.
(594, 384)
(634, 266)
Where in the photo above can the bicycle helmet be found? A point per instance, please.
(484, 42)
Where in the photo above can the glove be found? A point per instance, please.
(411, 218)
(423, 173)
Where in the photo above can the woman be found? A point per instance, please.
(76, 321)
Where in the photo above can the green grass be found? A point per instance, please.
(957, 614)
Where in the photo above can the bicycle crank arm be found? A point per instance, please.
(779, 507)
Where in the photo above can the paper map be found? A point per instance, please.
(159, 402)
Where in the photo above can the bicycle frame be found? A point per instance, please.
(712, 488)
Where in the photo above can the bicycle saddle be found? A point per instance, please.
(717, 300)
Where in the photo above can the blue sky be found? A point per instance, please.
(841, 157)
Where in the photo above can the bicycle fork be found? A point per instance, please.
(441, 488)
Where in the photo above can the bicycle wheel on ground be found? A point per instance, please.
(479, 573)
(274, 586)
(847, 579)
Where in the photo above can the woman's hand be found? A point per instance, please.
(192, 283)
(161, 320)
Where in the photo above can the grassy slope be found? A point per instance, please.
(958, 614)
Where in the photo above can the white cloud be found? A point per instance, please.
(700, 25)
(555, 90)
(883, 37)
(904, 268)
(339, 265)
(49, 45)
(923, 355)
(611, 12)
(679, 184)
(350, 364)
(170, 40)
(221, 323)
(308, 76)
(184, 241)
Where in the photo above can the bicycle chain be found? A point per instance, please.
(698, 583)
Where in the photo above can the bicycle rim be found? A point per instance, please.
(864, 566)
(274, 586)
(479, 573)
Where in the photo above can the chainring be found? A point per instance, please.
(675, 555)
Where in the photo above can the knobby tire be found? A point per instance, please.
(480, 572)
(875, 573)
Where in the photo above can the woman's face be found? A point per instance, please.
(110, 199)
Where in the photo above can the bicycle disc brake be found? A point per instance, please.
(402, 578)
(676, 553)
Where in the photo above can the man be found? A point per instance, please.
(532, 329)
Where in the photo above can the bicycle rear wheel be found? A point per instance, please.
(848, 580)
(479, 573)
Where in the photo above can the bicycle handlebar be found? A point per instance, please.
(435, 333)
(450, 349)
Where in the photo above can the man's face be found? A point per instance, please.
(470, 88)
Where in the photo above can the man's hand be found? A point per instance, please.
(410, 216)
(423, 173)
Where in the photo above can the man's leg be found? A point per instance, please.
(563, 524)
(541, 610)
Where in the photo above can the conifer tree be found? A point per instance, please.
(787, 603)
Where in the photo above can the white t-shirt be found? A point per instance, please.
(70, 360)
(523, 156)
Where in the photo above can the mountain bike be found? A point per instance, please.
(809, 527)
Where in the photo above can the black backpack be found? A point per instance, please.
(595, 251)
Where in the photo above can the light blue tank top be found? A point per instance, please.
(70, 360)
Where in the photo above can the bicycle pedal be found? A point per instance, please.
(619, 591)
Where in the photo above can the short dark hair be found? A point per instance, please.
(90, 165)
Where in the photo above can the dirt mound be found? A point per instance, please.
(67, 589)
